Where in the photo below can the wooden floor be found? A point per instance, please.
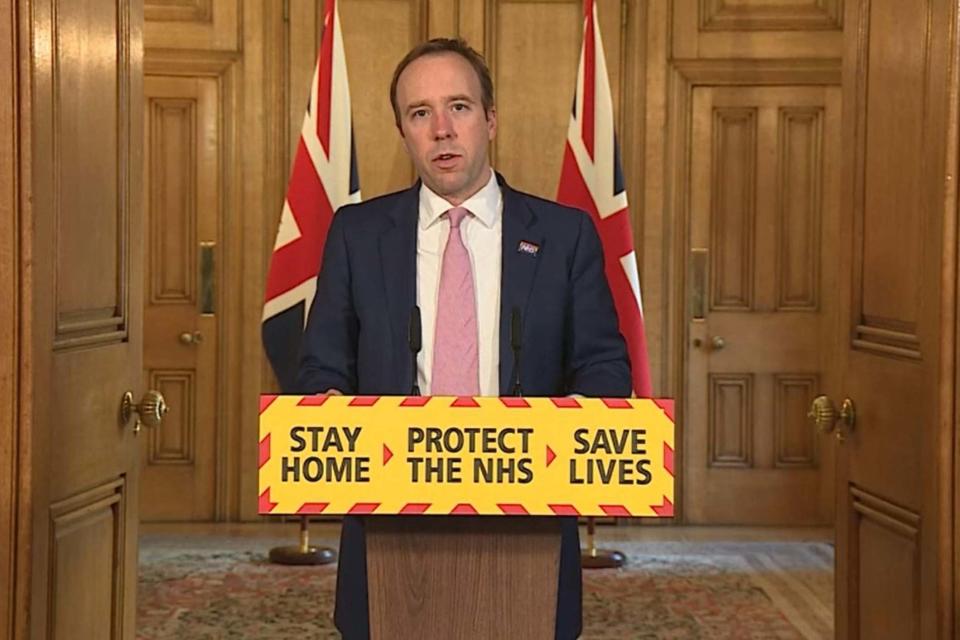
(604, 532)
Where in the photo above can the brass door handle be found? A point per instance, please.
(717, 342)
(149, 412)
(188, 338)
(825, 415)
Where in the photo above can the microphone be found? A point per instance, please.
(415, 340)
(516, 337)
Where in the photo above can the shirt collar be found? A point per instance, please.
(484, 204)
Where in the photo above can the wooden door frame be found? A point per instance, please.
(947, 440)
(683, 77)
(947, 437)
(948, 433)
(252, 188)
(221, 67)
(261, 193)
(15, 357)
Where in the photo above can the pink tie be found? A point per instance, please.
(455, 356)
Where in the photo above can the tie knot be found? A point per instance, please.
(456, 216)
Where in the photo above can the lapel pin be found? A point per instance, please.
(528, 248)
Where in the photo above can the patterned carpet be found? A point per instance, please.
(218, 589)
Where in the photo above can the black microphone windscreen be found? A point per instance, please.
(515, 329)
(414, 337)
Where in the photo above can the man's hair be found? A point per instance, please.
(445, 45)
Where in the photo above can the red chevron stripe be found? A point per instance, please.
(513, 509)
(565, 403)
(415, 401)
(564, 509)
(264, 505)
(668, 458)
(664, 510)
(465, 401)
(308, 508)
(266, 401)
(312, 401)
(463, 509)
(364, 401)
(515, 403)
(667, 405)
(415, 507)
(617, 403)
(617, 510)
(264, 453)
(364, 507)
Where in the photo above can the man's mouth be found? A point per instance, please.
(446, 160)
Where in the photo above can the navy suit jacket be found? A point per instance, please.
(356, 339)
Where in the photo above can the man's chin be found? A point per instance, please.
(446, 186)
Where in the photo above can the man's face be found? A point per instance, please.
(444, 126)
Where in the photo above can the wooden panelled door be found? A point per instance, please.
(896, 339)
(181, 207)
(762, 247)
(84, 93)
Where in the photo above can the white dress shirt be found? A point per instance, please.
(481, 233)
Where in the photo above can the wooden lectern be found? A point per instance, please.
(462, 577)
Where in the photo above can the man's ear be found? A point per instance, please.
(404, 141)
(492, 122)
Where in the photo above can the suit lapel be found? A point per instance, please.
(398, 262)
(519, 266)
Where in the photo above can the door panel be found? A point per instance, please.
(194, 24)
(182, 199)
(891, 340)
(764, 214)
(756, 28)
(88, 540)
(86, 306)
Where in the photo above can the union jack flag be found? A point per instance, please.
(324, 178)
(591, 179)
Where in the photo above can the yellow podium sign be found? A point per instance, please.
(485, 456)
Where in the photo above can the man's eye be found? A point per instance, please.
(419, 113)
(459, 106)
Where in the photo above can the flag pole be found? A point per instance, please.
(590, 182)
(324, 155)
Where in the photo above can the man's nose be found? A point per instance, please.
(442, 125)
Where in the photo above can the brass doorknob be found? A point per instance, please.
(191, 338)
(825, 415)
(149, 412)
(718, 343)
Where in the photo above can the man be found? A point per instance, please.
(467, 250)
